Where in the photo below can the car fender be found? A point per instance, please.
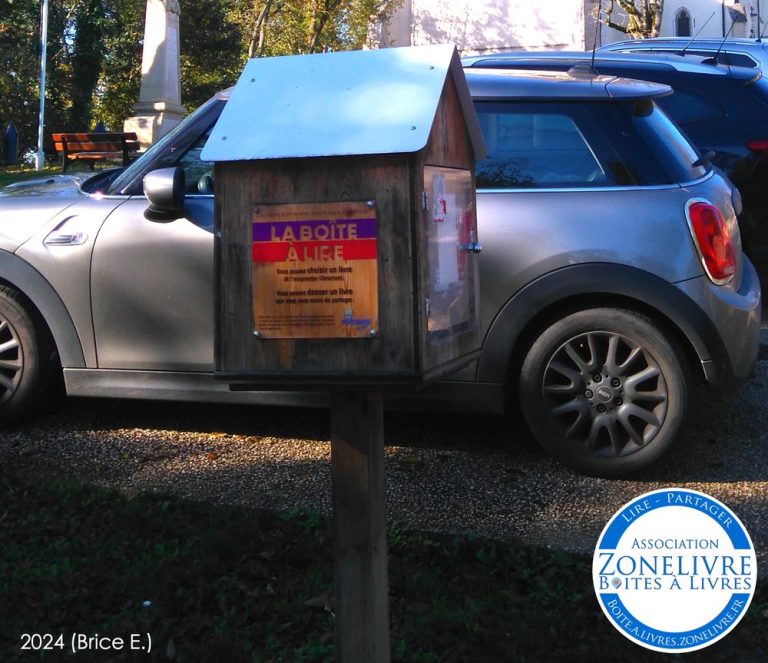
(593, 280)
(27, 280)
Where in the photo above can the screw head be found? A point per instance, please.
(588, 393)
(597, 377)
(601, 408)
(615, 382)
(618, 401)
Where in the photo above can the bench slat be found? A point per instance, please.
(95, 146)
(107, 135)
(95, 155)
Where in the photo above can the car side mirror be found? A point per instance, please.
(164, 188)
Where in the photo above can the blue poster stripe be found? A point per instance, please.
(314, 229)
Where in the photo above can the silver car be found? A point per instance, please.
(612, 275)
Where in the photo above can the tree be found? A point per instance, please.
(218, 36)
(19, 61)
(95, 46)
(88, 41)
(642, 18)
(282, 27)
(117, 89)
(211, 48)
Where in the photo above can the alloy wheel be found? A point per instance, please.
(606, 393)
(11, 361)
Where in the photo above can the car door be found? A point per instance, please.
(152, 282)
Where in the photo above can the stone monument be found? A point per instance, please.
(159, 108)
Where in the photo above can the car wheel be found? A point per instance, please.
(26, 358)
(603, 391)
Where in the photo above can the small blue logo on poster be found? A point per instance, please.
(674, 570)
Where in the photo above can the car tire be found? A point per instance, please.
(27, 358)
(604, 391)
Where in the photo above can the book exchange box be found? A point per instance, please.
(345, 219)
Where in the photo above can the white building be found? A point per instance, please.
(706, 18)
(486, 26)
(478, 26)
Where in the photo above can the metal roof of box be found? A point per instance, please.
(335, 104)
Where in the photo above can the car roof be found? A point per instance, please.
(659, 61)
(558, 85)
(742, 43)
(754, 51)
(527, 84)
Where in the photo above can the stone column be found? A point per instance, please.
(159, 108)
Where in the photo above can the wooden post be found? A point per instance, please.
(361, 585)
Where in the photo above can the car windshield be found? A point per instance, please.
(121, 183)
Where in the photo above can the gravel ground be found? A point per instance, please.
(461, 474)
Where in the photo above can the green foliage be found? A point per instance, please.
(85, 58)
(79, 35)
(19, 173)
(283, 27)
(119, 79)
(211, 49)
(19, 65)
(95, 46)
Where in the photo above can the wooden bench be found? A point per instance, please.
(93, 147)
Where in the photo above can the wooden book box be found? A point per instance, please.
(345, 220)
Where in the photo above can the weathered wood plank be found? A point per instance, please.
(361, 583)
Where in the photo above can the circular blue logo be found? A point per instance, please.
(674, 570)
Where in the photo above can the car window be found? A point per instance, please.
(686, 106)
(563, 145)
(168, 151)
(664, 138)
(198, 174)
(730, 58)
(534, 146)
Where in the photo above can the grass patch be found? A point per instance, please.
(233, 584)
(12, 174)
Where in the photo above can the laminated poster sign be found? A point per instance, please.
(449, 232)
(314, 270)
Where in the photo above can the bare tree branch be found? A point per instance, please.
(643, 17)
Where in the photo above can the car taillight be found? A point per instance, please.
(713, 241)
(759, 146)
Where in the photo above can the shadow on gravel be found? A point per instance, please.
(426, 430)
(725, 440)
(445, 472)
